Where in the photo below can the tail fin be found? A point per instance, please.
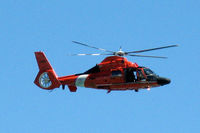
(46, 77)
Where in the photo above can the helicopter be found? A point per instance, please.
(114, 73)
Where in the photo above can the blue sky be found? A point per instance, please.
(50, 25)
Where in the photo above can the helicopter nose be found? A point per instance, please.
(163, 81)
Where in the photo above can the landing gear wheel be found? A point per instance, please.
(136, 90)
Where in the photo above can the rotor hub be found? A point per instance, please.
(120, 53)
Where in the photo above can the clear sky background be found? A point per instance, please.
(27, 26)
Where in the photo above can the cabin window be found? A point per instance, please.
(116, 73)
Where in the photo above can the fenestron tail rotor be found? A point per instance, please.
(122, 53)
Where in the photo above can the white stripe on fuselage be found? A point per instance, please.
(80, 81)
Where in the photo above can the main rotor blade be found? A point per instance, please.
(149, 56)
(145, 50)
(88, 54)
(92, 46)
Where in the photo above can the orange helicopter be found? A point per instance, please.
(113, 73)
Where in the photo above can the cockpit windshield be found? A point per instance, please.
(148, 71)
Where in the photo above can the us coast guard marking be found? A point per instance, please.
(80, 81)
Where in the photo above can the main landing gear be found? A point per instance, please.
(136, 90)
(108, 91)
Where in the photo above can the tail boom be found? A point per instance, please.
(47, 78)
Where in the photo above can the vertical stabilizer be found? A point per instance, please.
(46, 77)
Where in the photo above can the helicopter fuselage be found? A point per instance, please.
(113, 73)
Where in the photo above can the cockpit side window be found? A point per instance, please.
(148, 71)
